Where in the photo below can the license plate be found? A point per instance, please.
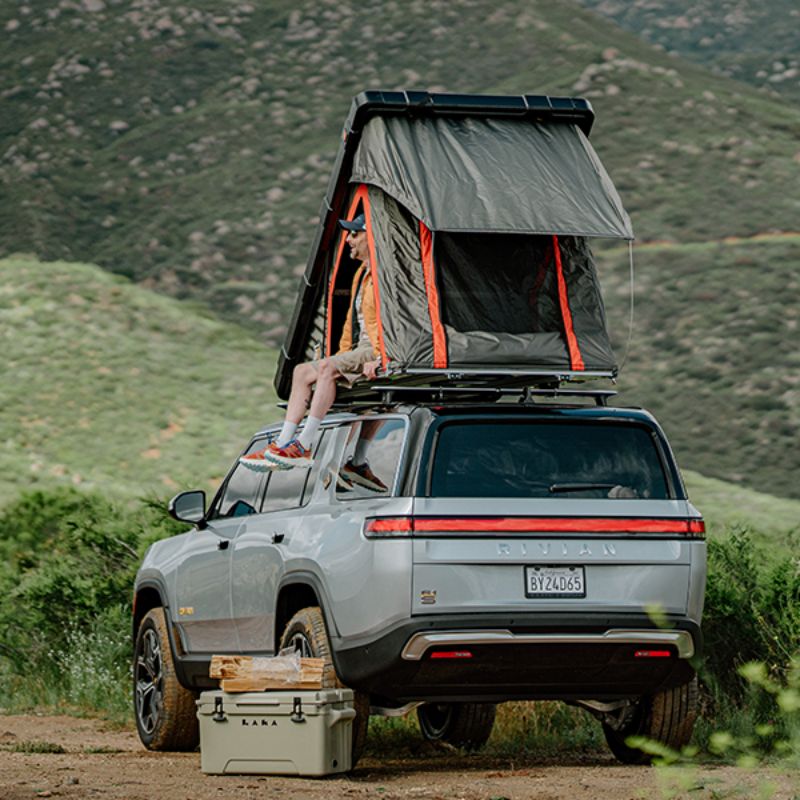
(555, 582)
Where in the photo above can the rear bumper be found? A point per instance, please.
(421, 644)
(555, 656)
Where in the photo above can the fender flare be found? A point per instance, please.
(160, 589)
(311, 579)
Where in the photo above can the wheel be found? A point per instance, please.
(466, 725)
(306, 633)
(166, 713)
(666, 717)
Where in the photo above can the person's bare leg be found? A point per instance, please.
(325, 392)
(304, 377)
(321, 401)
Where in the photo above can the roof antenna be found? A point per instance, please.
(630, 318)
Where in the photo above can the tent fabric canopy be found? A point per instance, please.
(492, 175)
(465, 300)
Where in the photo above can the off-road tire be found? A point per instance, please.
(467, 725)
(306, 631)
(166, 713)
(667, 717)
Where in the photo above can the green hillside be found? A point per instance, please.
(714, 353)
(112, 387)
(188, 146)
(748, 40)
(774, 521)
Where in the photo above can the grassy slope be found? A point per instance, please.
(774, 520)
(114, 387)
(714, 353)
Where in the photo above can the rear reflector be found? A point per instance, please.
(451, 654)
(398, 526)
(652, 654)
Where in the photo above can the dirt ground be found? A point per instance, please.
(106, 763)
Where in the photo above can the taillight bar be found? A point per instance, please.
(399, 526)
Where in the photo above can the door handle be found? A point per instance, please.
(277, 538)
(222, 544)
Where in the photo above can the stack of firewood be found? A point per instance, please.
(253, 674)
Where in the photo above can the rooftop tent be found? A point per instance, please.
(478, 212)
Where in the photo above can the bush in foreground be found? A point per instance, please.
(68, 563)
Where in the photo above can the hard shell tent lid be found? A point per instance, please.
(437, 168)
(492, 175)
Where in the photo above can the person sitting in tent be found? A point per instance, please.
(315, 381)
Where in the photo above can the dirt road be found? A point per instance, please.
(107, 763)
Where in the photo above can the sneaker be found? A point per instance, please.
(343, 482)
(362, 475)
(289, 456)
(260, 461)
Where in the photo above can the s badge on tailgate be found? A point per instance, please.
(427, 597)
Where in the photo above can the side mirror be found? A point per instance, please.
(188, 506)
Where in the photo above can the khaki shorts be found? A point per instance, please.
(351, 363)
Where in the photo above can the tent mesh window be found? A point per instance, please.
(503, 283)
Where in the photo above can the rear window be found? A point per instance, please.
(545, 459)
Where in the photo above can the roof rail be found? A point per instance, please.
(387, 394)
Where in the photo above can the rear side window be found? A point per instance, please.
(370, 459)
(545, 459)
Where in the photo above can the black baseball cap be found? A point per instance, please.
(357, 224)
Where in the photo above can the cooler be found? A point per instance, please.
(276, 733)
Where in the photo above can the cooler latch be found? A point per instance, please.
(297, 711)
(219, 713)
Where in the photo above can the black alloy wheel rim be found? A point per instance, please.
(435, 718)
(299, 643)
(149, 681)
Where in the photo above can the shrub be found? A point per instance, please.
(752, 613)
(65, 595)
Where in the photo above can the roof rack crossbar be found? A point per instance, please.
(388, 393)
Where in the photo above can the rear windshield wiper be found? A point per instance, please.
(579, 487)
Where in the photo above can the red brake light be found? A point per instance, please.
(652, 654)
(697, 527)
(451, 654)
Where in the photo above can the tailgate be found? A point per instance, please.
(493, 555)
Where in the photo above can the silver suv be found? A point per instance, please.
(494, 551)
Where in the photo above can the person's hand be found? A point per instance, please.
(371, 369)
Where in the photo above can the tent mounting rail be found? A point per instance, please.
(386, 394)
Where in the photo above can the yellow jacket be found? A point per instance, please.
(367, 309)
